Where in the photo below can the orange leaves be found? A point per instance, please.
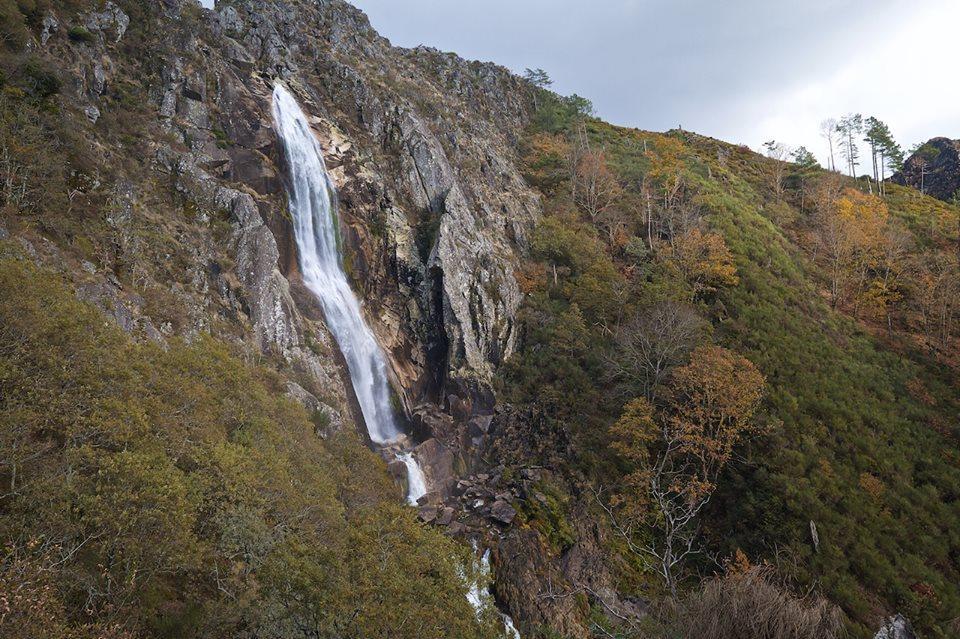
(596, 188)
(714, 399)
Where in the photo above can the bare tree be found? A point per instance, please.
(780, 154)
(653, 342)
(595, 188)
(828, 130)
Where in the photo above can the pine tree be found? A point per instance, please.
(804, 159)
(849, 128)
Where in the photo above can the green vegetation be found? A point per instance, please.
(858, 426)
(78, 33)
(173, 492)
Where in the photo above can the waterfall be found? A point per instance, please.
(479, 595)
(417, 482)
(312, 207)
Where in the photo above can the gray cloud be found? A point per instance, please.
(722, 68)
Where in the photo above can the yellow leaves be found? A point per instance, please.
(872, 486)
(703, 259)
(865, 218)
(546, 159)
(635, 431)
(666, 158)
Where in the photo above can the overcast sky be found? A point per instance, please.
(744, 71)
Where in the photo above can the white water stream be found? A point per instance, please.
(416, 482)
(312, 206)
(479, 594)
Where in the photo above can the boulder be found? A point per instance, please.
(445, 516)
(896, 627)
(503, 512)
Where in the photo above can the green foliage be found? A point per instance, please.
(842, 404)
(36, 78)
(556, 113)
(78, 33)
(175, 489)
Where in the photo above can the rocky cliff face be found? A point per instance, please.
(420, 143)
(433, 212)
(934, 169)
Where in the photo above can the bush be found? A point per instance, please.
(752, 605)
(80, 34)
(177, 490)
(38, 79)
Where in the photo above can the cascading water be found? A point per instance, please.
(311, 196)
(415, 479)
(479, 595)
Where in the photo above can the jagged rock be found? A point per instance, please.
(934, 169)
(428, 514)
(503, 512)
(48, 27)
(111, 18)
(195, 87)
(436, 461)
(479, 426)
(445, 517)
(896, 627)
(92, 113)
(328, 420)
(529, 582)
(430, 423)
(99, 79)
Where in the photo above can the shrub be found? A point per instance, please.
(752, 605)
(78, 33)
(38, 79)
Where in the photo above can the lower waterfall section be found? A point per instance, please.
(311, 196)
(479, 595)
(417, 483)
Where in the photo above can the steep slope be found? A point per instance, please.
(852, 487)
(141, 166)
(507, 251)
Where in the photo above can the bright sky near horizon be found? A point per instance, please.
(745, 71)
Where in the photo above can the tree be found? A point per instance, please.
(935, 279)
(653, 342)
(852, 233)
(664, 189)
(883, 150)
(804, 159)
(581, 106)
(849, 128)
(703, 260)
(778, 153)
(541, 82)
(676, 455)
(538, 78)
(828, 130)
(595, 188)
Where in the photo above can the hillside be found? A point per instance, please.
(667, 386)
